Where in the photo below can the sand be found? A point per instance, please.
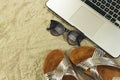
(24, 40)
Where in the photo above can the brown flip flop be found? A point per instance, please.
(58, 67)
(80, 54)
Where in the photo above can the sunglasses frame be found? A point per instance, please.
(55, 24)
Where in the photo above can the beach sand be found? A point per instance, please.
(24, 40)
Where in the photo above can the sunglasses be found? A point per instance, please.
(72, 37)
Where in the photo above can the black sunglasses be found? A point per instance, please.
(72, 37)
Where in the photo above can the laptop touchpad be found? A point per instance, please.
(86, 21)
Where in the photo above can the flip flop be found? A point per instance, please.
(81, 57)
(58, 67)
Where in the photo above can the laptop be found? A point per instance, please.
(99, 20)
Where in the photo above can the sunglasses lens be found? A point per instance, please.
(72, 38)
(57, 29)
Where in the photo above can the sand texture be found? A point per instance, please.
(24, 41)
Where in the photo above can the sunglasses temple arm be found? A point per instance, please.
(78, 41)
(49, 28)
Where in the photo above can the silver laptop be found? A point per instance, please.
(99, 20)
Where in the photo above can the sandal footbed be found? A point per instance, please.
(68, 77)
(81, 53)
(52, 60)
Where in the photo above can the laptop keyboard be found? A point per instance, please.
(110, 9)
